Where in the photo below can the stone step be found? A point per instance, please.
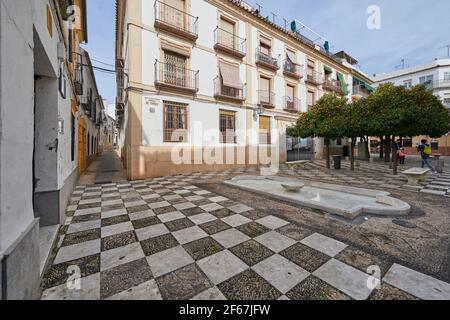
(437, 187)
(433, 192)
(441, 183)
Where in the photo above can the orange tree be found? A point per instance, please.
(324, 120)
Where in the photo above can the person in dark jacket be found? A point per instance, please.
(425, 151)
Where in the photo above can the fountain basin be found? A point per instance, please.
(345, 201)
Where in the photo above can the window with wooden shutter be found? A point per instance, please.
(175, 122)
(173, 13)
(264, 130)
(227, 36)
(174, 69)
(310, 99)
(227, 126)
(49, 21)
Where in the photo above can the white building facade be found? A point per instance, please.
(434, 75)
(40, 139)
(201, 74)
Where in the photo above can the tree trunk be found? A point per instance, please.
(381, 147)
(327, 152)
(387, 149)
(352, 154)
(394, 157)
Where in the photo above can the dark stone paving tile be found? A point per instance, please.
(362, 260)
(192, 211)
(306, 257)
(179, 224)
(146, 222)
(89, 206)
(214, 227)
(63, 229)
(203, 248)
(163, 210)
(124, 277)
(251, 252)
(388, 292)
(111, 198)
(138, 209)
(85, 218)
(253, 229)
(248, 286)
(177, 201)
(201, 202)
(134, 199)
(70, 214)
(119, 240)
(113, 207)
(183, 284)
(227, 203)
(154, 200)
(115, 220)
(89, 197)
(80, 237)
(254, 214)
(313, 288)
(295, 232)
(222, 213)
(158, 244)
(57, 274)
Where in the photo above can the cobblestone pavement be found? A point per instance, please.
(370, 174)
(166, 238)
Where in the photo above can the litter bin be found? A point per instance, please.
(337, 162)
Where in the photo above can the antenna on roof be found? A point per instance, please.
(258, 11)
(448, 50)
(273, 17)
(285, 24)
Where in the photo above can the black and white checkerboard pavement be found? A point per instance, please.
(166, 238)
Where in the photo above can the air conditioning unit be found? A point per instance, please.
(62, 55)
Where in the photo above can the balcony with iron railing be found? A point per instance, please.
(439, 84)
(228, 93)
(291, 69)
(360, 91)
(314, 78)
(228, 43)
(266, 99)
(228, 137)
(175, 21)
(266, 61)
(332, 85)
(291, 104)
(78, 74)
(172, 77)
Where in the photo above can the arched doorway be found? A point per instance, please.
(82, 146)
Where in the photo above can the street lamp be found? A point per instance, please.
(257, 111)
(446, 145)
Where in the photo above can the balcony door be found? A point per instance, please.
(173, 13)
(264, 87)
(175, 69)
(227, 35)
(290, 93)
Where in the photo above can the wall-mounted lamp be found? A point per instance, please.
(258, 111)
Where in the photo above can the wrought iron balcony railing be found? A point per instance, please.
(265, 60)
(292, 104)
(332, 85)
(176, 21)
(175, 135)
(229, 43)
(360, 90)
(314, 78)
(78, 74)
(266, 98)
(291, 69)
(171, 76)
(225, 92)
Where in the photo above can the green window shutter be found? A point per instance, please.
(344, 85)
(328, 69)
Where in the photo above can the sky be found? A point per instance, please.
(413, 30)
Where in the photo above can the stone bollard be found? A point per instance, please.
(439, 163)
